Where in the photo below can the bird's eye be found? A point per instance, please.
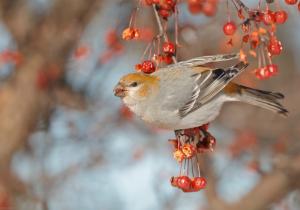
(134, 84)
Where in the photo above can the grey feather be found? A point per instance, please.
(205, 59)
(211, 84)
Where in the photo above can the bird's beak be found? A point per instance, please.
(119, 91)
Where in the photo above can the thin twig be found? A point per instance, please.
(241, 4)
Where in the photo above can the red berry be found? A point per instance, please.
(138, 67)
(195, 8)
(275, 46)
(268, 17)
(164, 13)
(229, 28)
(281, 16)
(81, 52)
(174, 181)
(150, 2)
(299, 6)
(184, 182)
(169, 48)
(272, 69)
(291, 2)
(168, 59)
(209, 8)
(262, 73)
(198, 183)
(148, 67)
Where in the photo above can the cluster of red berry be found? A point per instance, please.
(187, 184)
(149, 66)
(259, 39)
(187, 145)
(165, 8)
(207, 7)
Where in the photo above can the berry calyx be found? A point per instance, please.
(169, 48)
(198, 183)
(281, 16)
(291, 2)
(229, 28)
(184, 182)
(148, 67)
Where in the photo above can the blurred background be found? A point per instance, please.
(66, 143)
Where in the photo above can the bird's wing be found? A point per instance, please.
(207, 84)
(205, 59)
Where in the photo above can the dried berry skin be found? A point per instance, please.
(178, 155)
(188, 150)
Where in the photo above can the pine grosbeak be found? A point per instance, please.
(187, 95)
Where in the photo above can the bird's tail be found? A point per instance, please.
(265, 99)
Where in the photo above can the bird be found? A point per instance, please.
(188, 94)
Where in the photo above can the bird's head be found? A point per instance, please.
(136, 87)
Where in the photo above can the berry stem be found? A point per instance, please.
(162, 32)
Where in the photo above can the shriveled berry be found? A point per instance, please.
(291, 2)
(198, 183)
(188, 150)
(148, 67)
(281, 16)
(130, 33)
(184, 182)
(178, 155)
(169, 48)
(229, 28)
